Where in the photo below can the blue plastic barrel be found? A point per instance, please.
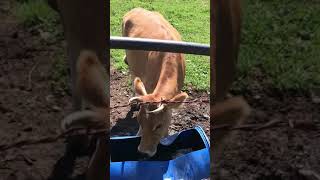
(192, 165)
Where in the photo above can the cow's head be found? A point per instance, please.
(154, 119)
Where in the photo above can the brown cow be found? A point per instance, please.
(156, 75)
(84, 23)
(91, 86)
(234, 110)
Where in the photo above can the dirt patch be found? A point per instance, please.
(282, 152)
(29, 108)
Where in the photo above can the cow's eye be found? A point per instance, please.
(157, 127)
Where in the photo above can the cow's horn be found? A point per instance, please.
(159, 109)
(134, 100)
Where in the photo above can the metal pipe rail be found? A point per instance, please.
(159, 45)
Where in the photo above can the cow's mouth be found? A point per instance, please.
(146, 153)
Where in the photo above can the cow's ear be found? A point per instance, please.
(139, 87)
(177, 100)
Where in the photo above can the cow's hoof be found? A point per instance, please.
(78, 145)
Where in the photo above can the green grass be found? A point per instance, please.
(282, 39)
(36, 13)
(59, 76)
(190, 17)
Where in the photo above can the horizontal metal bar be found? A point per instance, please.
(159, 45)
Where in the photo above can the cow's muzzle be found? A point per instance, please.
(147, 152)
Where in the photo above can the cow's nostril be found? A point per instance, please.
(143, 156)
(145, 153)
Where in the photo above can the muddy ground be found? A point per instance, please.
(288, 149)
(30, 108)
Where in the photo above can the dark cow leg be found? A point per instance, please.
(76, 145)
(70, 12)
(125, 60)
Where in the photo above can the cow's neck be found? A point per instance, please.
(168, 86)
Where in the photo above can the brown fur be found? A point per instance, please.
(156, 75)
(91, 75)
(233, 110)
(84, 24)
(92, 85)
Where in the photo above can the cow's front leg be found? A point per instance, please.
(80, 143)
(98, 168)
(167, 133)
(76, 98)
(125, 59)
(139, 133)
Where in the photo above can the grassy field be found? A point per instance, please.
(190, 17)
(37, 14)
(281, 38)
